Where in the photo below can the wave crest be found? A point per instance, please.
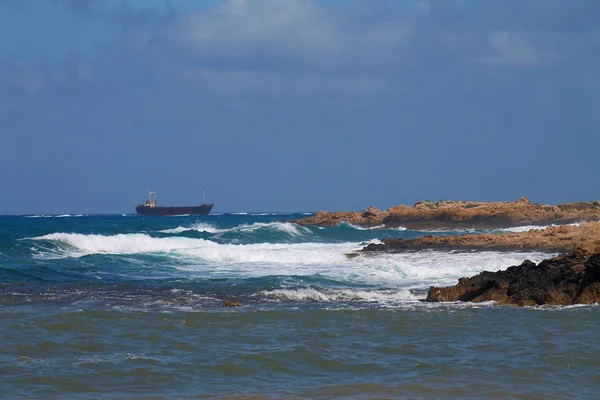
(206, 258)
(198, 227)
(284, 227)
(527, 228)
(371, 228)
(337, 295)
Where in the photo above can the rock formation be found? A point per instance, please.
(572, 278)
(446, 214)
(552, 239)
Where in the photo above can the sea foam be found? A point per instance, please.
(371, 228)
(209, 259)
(338, 294)
(284, 227)
(199, 227)
(527, 228)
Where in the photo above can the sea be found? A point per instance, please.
(132, 307)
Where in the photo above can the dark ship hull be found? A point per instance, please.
(203, 209)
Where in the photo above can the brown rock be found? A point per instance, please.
(552, 239)
(231, 303)
(446, 214)
(371, 212)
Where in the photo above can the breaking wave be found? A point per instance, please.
(323, 294)
(371, 228)
(527, 228)
(54, 216)
(206, 258)
(283, 227)
(198, 227)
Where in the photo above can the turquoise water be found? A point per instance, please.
(126, 306)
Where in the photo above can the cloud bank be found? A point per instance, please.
(448, 80)
(303, 47)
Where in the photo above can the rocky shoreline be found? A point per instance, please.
(554, 239)
(571, 278)
(446, 214)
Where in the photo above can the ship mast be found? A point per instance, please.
(151, 202)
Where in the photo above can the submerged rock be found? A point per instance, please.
(572, 278)
(231, 303)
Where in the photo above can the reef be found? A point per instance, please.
(446, 214)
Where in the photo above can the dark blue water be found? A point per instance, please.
(127, 306)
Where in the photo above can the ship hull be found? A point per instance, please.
(203, 209)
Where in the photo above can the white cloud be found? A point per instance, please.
(515, 49)
(304, 47)
(283, 34)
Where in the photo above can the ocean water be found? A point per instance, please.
(124, 306)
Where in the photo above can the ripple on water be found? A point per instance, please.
(303, 352)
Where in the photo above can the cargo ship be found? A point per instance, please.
(150, 208)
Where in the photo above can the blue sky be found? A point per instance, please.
(282, 105)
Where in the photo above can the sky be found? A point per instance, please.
(296, 105)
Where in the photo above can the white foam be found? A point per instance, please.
(357, 227)
(80, 244)
(438, 268)
(239, 213)
(199, 226)
(54, 216)
(337, 295)
(527, 228)
(360, 228)
(285, 227)
(205, 258)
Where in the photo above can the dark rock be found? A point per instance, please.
(374, 247)
(572, 278)
(589, 290)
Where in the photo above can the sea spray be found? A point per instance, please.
(207, 258)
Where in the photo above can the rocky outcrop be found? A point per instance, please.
(446, 214)
(552, 239)
(572, 278)
(369, 217)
